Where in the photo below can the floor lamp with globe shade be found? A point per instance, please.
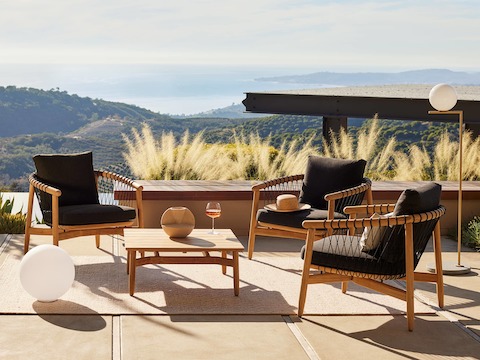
(443, 98)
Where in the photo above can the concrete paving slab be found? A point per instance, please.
(208, 337)
(53, 337)
(462, 295)
(386, 337)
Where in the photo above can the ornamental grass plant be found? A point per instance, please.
(247, 157)
(252, 158)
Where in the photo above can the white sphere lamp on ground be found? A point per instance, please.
(443, 98)
(47, 272)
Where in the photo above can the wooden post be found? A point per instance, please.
(333, 124)
(474, 129)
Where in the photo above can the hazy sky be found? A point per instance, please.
(348, 34)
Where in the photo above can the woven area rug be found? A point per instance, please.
(268, 285)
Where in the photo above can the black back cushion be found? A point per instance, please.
(421, 199)
(418, 200)
(326, 175)
(72, 174)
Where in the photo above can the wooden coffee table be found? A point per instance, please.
(199, 241)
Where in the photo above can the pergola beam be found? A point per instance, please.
(354, 106)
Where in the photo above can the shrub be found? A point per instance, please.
(471, 233)
(10, 223)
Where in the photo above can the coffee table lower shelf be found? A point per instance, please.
(199, 241)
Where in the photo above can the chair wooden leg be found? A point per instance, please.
(344, 286)
(303, 291)
(307, 262)
(55, 228)
(409, 267)
(26, 243)
(437, 248)
(97, 240)
(28, 220)
(251, 242)
(56, 242)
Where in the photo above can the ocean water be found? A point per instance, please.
(168, 89)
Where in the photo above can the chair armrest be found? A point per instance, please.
(134, 187)
(360, 223)
(349, 192)
(38, 184)
(117, 177)
(378, 208)
(339, 200)
(269, 183)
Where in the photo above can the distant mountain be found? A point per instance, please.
(428, 76)
(234, 111)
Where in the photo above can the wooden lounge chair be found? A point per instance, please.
(328, 186)
(76, 200)
(370, 250)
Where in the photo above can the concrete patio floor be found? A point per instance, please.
(452, 332)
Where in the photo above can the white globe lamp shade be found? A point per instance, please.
(443, 97)
(47, 272)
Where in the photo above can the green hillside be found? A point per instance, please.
(301, 128)
(278, 127)
(32, 111)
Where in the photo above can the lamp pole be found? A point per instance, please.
(443, 98)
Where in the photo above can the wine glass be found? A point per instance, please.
(213, 210)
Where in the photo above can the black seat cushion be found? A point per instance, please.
(294, 219)
(343, 253)
(91, 214)
(73, 174)
(327, 175)
(418, 200)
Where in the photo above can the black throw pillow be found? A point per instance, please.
(327, 175)
(418, 200)
(72, 174)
